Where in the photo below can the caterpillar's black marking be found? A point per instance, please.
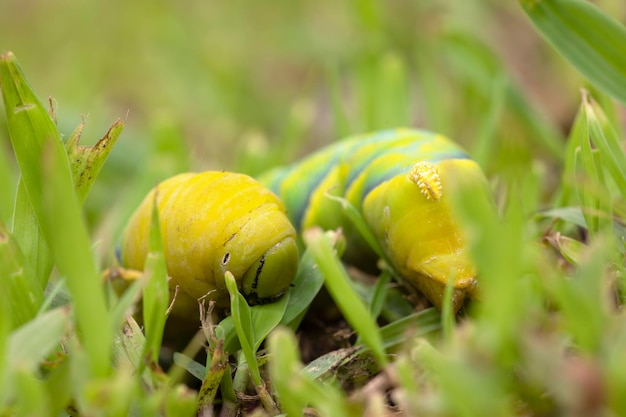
(259, 269)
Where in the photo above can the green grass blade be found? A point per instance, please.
(589, 39)
(416, 325)
(32, 399)
(368, 13)
(196, 369)
(8, 186)
(382, 86)
(156, 296)
(569, 175)
(582, 299)
(380, 292)
(48, 181)
(458, 380)
(243, 325)
(391, 93)
(125, 303)
(338, 285)
(242, 319)
(481, 69)
(295, 389)
(485, 141)
(212, 377)
(607, 141)
(29, 344)
(594, 147)
(66, 233)
(497, 247)
(27, 232)
(340, 119)
(359, 222)
(545, 133)
(571, 215)
(588, 191)
(6, 326)
(59, 388)
(17, 280)
(181, 401)
(30, 126)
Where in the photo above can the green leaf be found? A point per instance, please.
(572, 215)
(305, 286)
(268, 318)
(86, 161)
(589, 39)
(194, 368)
(263, 318)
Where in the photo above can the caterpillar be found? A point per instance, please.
(401, 181)
(212, 222)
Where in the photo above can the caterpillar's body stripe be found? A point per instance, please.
(359, 155)
(409, 211)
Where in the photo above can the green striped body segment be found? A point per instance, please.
(402, 181)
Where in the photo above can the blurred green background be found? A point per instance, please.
(246, 85)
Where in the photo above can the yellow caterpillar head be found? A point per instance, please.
(211, 223)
